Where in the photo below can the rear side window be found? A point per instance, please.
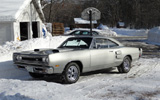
(94, 33)
(101, 43)
(112, 44)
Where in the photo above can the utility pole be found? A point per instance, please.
(90, 18)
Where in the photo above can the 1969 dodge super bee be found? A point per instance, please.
(78, 55)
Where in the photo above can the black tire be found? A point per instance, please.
(71, 73)
(36, 75)
(125, 66)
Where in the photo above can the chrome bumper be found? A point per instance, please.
(35, 69)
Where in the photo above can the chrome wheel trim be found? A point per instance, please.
(72, 73)
(126, 64)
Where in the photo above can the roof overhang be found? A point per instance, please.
(12, 13)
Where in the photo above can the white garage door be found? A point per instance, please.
(5, 32)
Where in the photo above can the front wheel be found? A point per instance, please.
(125, 66)
(71, 73)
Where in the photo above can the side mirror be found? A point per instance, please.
(98, 46)
(94, 47)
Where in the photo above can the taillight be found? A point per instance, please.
(140, 52)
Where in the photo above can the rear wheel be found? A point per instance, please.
(125, 66)
(36, 75)
(71, 73)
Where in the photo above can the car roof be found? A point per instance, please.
(88, 30)
(85, 36)
(99, 37)
(88, 36)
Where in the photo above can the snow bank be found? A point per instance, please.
(130, 32)
(6, 65)
(103, 27)
(107, 32)
(154, 36)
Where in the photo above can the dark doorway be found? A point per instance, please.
(24, 31)
(35, 29)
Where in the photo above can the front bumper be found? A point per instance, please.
(35, 69)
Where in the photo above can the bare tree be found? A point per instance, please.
(135, 13)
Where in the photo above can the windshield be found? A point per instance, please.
(77, 43)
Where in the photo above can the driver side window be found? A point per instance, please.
(76, 33)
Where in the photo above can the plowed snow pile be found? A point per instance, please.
(154, 36)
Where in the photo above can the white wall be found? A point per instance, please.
(6, 32)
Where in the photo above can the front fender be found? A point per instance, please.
(59, 60)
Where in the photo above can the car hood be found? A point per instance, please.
(45, 51)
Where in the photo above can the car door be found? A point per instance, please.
(101, 55)
(114, 47)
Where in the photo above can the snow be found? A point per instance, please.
(154, 36)
(103, 27)
(141, 83)
(130, 32)
(11, 9)
(81, 21)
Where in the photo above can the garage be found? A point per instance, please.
(22, 21)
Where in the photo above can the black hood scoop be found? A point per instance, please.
(55, 51)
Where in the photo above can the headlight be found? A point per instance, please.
(45, 59)
(18, 58)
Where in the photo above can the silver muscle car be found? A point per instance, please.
(78, 55)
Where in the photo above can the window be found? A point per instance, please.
(94, 33)
(85, 33)
(77, 43)
(104, 43)
(112, 44)
(101, 43)
(76, 33)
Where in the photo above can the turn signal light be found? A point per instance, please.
(57, 66)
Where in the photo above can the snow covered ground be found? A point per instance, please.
(141, 83)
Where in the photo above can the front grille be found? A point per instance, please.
(31, 59)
